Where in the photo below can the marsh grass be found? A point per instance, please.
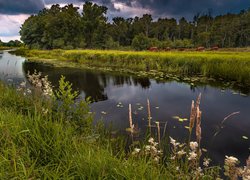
(223, 65)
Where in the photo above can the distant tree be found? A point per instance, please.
(94, 23)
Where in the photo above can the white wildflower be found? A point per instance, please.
(230, 160)
(151, 140)
(193, 145)
(181, 152)
(192, 156)
(206, 162)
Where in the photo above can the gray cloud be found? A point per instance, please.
(172, 8)
(20, 6)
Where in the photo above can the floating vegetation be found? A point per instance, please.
(245, 137)
(140, 108)
(179, 118)
(120, 105)
(103, 112)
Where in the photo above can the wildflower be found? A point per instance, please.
(181, 152)
(192, 156)
(147, 148)
(151, 140)
(156, 159)
(206, 162)
(230, 160)
(136, 151)
(230, 167)
(193, 145)
(28, 91)
(45, 111)
(246, 170)
(23, 84)
(173, 142)
(173, 157)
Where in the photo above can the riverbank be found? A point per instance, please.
(4, 48)
(218, 65)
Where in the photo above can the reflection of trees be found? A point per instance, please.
(91, 83)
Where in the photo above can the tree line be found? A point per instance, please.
(67, 28)
(11, 43)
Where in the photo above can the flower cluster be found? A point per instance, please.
(22, 88)
(193, 153)
(177, 149)
(41, 83)
(231, 169)
(151, 150)
(246, 170)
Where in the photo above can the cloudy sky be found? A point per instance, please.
(14, 12)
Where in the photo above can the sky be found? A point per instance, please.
(14, 12)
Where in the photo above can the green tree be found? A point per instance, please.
(94, 23)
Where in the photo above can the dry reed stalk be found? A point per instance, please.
(198, 125)
(193, 114)
(149, 114)
(159, 131)
(130, 118)
(192, 117)
(165, 127)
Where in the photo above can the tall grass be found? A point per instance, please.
(234, 66)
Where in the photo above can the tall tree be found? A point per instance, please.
(94, 22)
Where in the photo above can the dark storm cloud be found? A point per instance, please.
(173, 8)
(187, 8)
(20, 6)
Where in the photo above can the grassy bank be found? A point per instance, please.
(4, 48)
(223, 65)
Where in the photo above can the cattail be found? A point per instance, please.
(149, 114)
(198, 125)
(130, 118)
(159, 131)
(192, 117)
(198, 100)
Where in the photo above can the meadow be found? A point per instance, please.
(219, 65)
(48, 135)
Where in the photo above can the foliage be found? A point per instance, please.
(67, 28)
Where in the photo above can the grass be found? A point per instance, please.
(60, 143)
(223, 65)
(4, 48)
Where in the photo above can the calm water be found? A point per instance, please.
(167, 100)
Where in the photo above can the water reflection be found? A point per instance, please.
(89, 84)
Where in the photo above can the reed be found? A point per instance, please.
(149, 115)
(158, 131)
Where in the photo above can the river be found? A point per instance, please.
(112, 92)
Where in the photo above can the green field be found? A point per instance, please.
(223, 65)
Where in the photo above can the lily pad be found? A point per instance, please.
(245, 137)
(103, 112)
